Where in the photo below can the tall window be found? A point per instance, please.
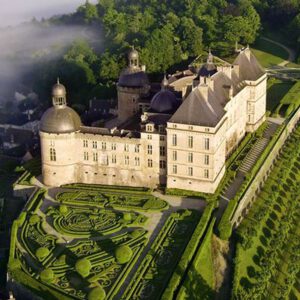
(52, 154)
(137, 148)
(206, 159)
(190, 142)
(86, 156)
(174, 155)
(137, 161)
(85, 143)
(150, 163)
(113, 146)
(206, 173)
(162, 164)
(162, 151)
(174, 140)
(149, 137)
(190, 171)
(127, 160)
(206, 143)
(150, 149)
(103, 145)
(161, 138)
(94, 144)
(114, 159)
(95, 156)
(190, 157)
(174, 169)
(126, 147)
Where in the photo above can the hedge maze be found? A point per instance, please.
(155, 270)
(85, 244)
(121, 199)
(73, 251)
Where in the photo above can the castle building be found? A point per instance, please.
(179, 136)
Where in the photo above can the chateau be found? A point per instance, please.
(178, 136)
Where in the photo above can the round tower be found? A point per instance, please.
(58, 128)
(132, 84)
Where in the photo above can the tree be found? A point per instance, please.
(123, 254)
(47, 275)
(42, 253)
(97, 293)
(83, 267)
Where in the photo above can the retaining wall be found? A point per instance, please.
(265, 170)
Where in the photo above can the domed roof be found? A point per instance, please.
(58, 90)
(133, 79)
(207, 70)
(133, 54)
(60, 120)
(164, 101)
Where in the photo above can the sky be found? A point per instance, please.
(13, 12)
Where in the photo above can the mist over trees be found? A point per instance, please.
(166, 33)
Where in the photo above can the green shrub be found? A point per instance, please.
(42, 253)
(22, 218)
(63, 209)
(14, 264)
(97, 293)
(83, 267)
(136, 233)
(47, 275)
(34, 219)
(127, 217)
(123, 254)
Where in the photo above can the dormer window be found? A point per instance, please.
(149, 127)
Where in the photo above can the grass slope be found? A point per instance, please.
(199, 283)
(269, 54)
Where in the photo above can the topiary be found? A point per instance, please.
(127, 217)
(136, 233)
(123, 254)
(83, 267)
(63, 209)
(97, 293)
(42, 252)
(34, 219)
(47, 275)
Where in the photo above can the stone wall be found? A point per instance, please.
(258, 182)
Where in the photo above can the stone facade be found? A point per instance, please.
(182, 143)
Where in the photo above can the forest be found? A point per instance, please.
(166, 33)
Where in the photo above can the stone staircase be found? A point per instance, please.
(258, 148)
(253, 155)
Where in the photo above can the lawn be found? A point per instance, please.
(277, 89)
(199, 283)
(269, 54)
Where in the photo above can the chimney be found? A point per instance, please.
(228, 91)
(203, 89)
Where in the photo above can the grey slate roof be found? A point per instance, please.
(196, 110)
(250, 68)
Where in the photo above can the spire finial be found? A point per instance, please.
(58, 80)
(165, 82)
(210, 57)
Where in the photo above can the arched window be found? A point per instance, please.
(52, 154)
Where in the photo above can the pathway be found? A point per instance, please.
(246, 166)
(291, 52)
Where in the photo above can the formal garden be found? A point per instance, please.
(267, 254)
(92, 242)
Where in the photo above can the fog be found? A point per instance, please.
(14, 12)
(23, 45)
